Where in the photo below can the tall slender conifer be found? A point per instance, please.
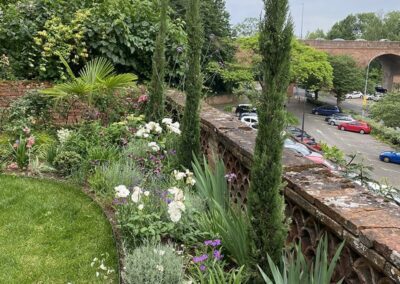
(155, 108)
(266, 203)
(190, 139)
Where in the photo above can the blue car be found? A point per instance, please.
(390, 157)
(325, 110)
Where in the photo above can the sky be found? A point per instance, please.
(317, 13)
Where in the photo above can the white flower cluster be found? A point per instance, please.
(154, 146)
(63, 135)
(102, 269)
(149, 128)
(172, 126)
(122, 191)
(182, 175)
(176, 207)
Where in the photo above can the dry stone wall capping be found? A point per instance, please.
(317, 201)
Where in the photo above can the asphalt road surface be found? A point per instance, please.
(349, 142)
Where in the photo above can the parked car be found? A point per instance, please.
(299, 148)
(355, 126)
(377, 97)
(247, 114)
(340, 119)
(322, 161)
(369, 97)
(249, 120)
(325, 110)
(244, 108)
(254, 125)
(354, 95)
(336, 115)
(390, 157)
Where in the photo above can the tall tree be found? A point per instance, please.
(155, 109)
(347, 76)
(190, 139)
(266, 204)
(310, 68)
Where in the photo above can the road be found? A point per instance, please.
(366, 145)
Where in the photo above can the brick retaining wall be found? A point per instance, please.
(316, 201)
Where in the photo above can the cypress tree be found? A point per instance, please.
(190, 139)
(155, 108)
(266, 204)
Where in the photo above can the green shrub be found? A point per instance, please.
(99, 155)
(66, 162)
(154, 264)
(106, 177)
(218, 275)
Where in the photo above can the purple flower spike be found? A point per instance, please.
(217, 255)
(203, 267)
(201, 258)
(208, 242)
(216, 242)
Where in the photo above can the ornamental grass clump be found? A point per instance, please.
(154, 264)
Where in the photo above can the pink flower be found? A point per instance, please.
(12, 166)
(26, 130)
(143, 99)
(31, 142)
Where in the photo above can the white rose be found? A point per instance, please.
(154, 147)
(140, 207)
(121, 191)
(136, 194)
(146, 193)
(190, 181)
(167, 121)
(179, 175)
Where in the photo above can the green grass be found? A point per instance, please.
(50, 232)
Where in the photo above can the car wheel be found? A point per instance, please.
(362, 131)
(316, 113)
(342, 128)
(332, 123)
(386, 160)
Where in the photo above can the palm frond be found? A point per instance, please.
(119, 81)
(97, 69)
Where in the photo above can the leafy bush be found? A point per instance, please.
(296, 270)
(66, 162)
(108, 176)
(31, 110)
(154, 264)
(387, 110)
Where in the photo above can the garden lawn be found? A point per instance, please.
(50, 232)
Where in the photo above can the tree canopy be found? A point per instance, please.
(347, 76)
(310, 67)
(368, 26)
(387, 110)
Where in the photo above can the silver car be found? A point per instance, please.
(300, 148)
(339, 119)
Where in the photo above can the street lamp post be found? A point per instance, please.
(366, 84)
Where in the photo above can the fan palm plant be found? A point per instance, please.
(96, 81)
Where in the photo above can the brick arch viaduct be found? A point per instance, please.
(364, 52)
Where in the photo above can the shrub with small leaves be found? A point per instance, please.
(153, 264)
(67, 162)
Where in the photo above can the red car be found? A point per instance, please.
(355, 126)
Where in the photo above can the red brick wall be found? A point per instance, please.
(12, 90)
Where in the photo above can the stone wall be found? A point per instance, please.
(317, 201)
